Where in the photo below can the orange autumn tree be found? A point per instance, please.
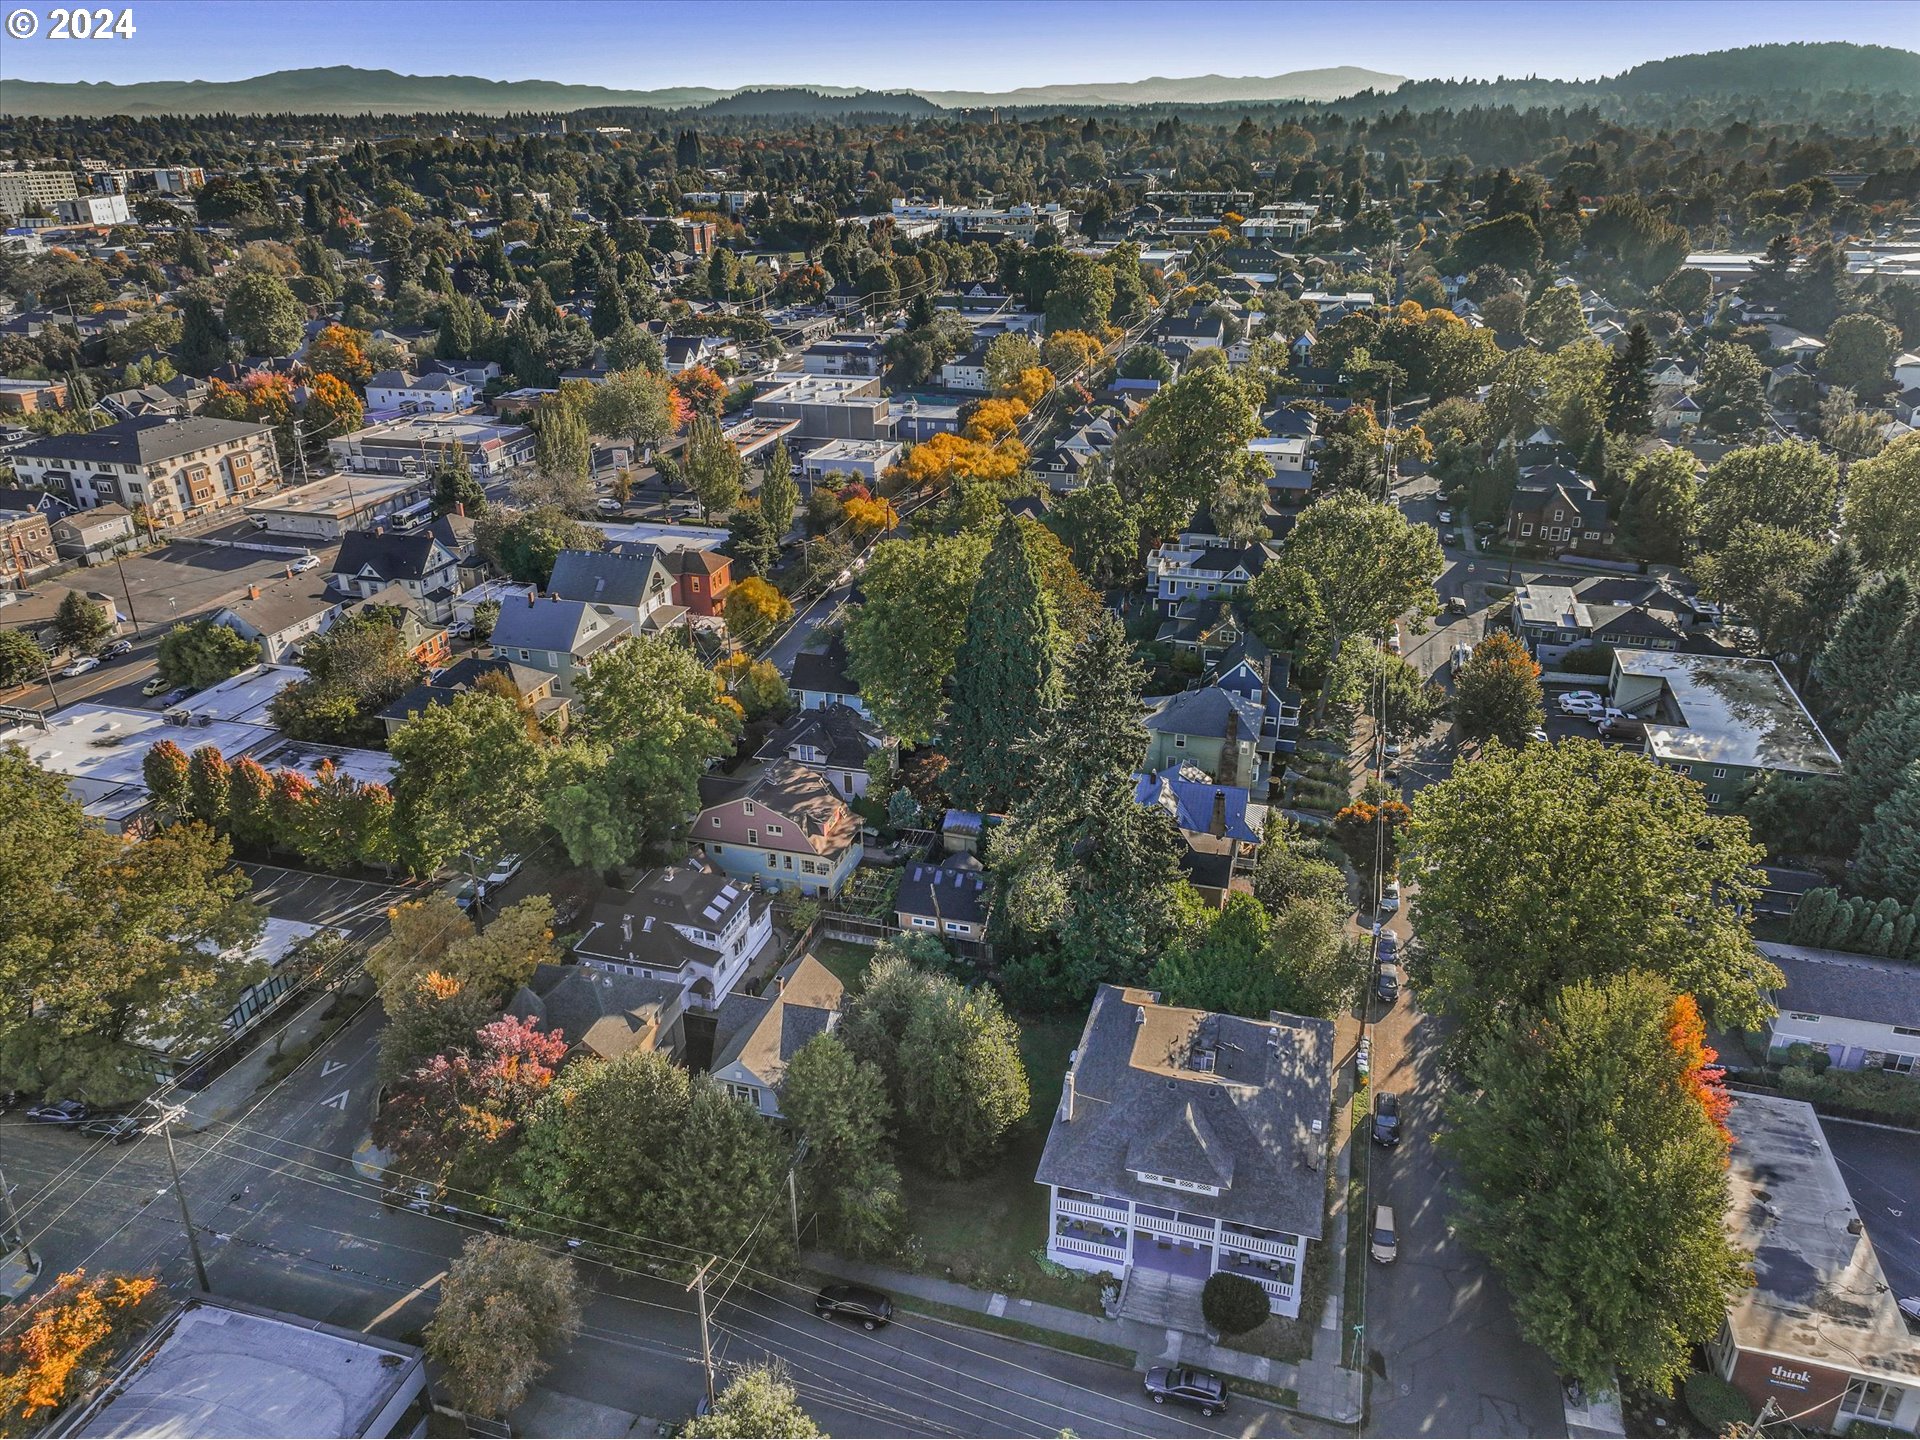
(946, 459)
(702, 389)
(869, 515)
(1701, 1075)
(1032, 385)
(340, 350)
(332, 406)
(991, 421)
(73, 1331)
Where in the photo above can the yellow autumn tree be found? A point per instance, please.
(753, 607)
(74, 1329)
(869, 516)
(1032, 385)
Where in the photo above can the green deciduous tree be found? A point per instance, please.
(1644, 876)
(1883, 506)
(1191, 441)
(469, 780)
(1594, 1172)
(839, 1106)
(1761, 572)
(1101, 531)
(525, 543)
(263, 315)
(204, 653)
(502, 1302)
(950, 1058)
(354, 671)
(1005, 675)
(1859, 353)
(81, 622)
(1790, 486)
(20, 659)
(638, 1145)
(1497, 693)
(902, 640)
(711, 466)
(1732, 394)
(779, 495)
(102, 951)
(759, 1401)
(1555, 320)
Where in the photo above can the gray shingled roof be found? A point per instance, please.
(595, 1010)
(1212, 1099)
(143, 441)
(1846, 986)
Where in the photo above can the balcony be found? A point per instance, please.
(1179, 1229)
(1113, 1255)
(1260, 1245)
(1091, 1210)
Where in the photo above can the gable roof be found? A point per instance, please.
(603, 1013)
(390, 554)
(146, 440)
(795, 793)
(824, 672)
(1205, 712)
(1846, 986)
(1199, 804)
(947, 891)
(556, 624)
(622, 576)
(764, 1032)
(843, 736)
(1215, 1100)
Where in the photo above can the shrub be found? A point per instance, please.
(1877, 1092)
(1233, 1304)
(1715, 1403)
(1592, 660)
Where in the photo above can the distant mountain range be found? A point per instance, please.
(347, 90)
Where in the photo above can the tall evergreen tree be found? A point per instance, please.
(779, 496)
(1004, 677)
(1889, 861)
(1853, 671)
(1829, 590)
(609, 306)
(1629, 392)
(203, 336)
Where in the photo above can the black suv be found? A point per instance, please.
(1386, 1119)
(1202, 1389)
(854, 1302)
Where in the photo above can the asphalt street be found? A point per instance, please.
(1882, 1170)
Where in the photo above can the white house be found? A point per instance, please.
(684, 923)
(397, 390)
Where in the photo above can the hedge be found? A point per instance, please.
(1715, 1403)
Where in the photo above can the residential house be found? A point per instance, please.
(821, 677)
(1186, 1143)
(1290, 466)
(631, 580)
(967, 373)
(427, 641)
(533, 688)
(1552, 506)
(1722, 720)
(701, 579)
(283, 614)
(757, 1036)
(561, 637)
(1217, 730)
(951, 901)
(1205, 629)
(835, 740)
(92, 536)
(1222, 824)
(413, 394)
(26, 545)
(602, 1013)
(1864, 1013)
(785, 829)
(850, 352)
(1817, 1334)
(1556, 620)
(476, 373)
(418, 561)
(173, 467)
(683, 923)
(1906, 371)
(1262, 678)
(683, 352)
(1201, 564)
(182, 395)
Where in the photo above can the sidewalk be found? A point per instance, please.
(1324, 1388)
(232, 1089)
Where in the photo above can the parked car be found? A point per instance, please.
(174, 697)
(1393, 643)
(1386, 1119)
(117, 649)
(1574, 705)
(504, 870)
(1457, 605)
(154, 686)
(1540, 736)
(81, 665)
(1449, 537)
(607, 505)
(306, 563)
(869, 1308)
(64, 1113)
(463, 891)
(1390, 897)
(1386, 943)
(1623, 727)
(1202, 1389)
(1383, 1242)
(1605, 715)
(114, 1129)
(1386, 981)
(1445, 517)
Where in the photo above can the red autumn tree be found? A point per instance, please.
(701, 389)
(1700, 1073)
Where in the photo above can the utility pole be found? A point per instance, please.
(186, 1218)
(699, 1285)
(13, 1232)
(793, 1187)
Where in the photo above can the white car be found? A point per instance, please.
(1602, 717)
(1390, 897)
(1579, 707)
(1538, 736)
(507, 867)
(306, 563)
(607, 505)
(81, 666)
(1393, 643)
(1583, 697)
(1445, 517)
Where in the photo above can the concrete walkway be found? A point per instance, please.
(1324, 1388)
(231, 1090)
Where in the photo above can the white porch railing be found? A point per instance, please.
(1091, 1210)
(1278, 1289)
(1092, 1249)
(1178, 1228)
(1256, 1245)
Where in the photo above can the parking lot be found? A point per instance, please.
(357, 906)
(1882, 1171)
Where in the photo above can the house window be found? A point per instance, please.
(773, 829)
(773, 861)
(1558, 516)
(789, 861)
(954, 927)
(749, 807)
(748, 1093)
(718, 850)
(1719, 771)
(1526, 530)
(1905, 1030)
(1179, 742)
(753, 837)
(716, 822)
(1686, 769)
(1802, 1015)
(1899, 1064)
(525, 656)
(1873, 1400)
(921, 922)
(1713, 797)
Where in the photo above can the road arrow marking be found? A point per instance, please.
(332, 1065)
(338, 1102)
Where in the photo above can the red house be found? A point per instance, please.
(701, 579)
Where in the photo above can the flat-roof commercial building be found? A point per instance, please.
(416, 443)
(1818, 1336)
(1719, 719)
(217, 1368)
(828, 407)
(868, 459)
(327, 508)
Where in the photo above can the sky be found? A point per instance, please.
(927, 44)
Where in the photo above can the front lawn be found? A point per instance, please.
(989, 1230)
